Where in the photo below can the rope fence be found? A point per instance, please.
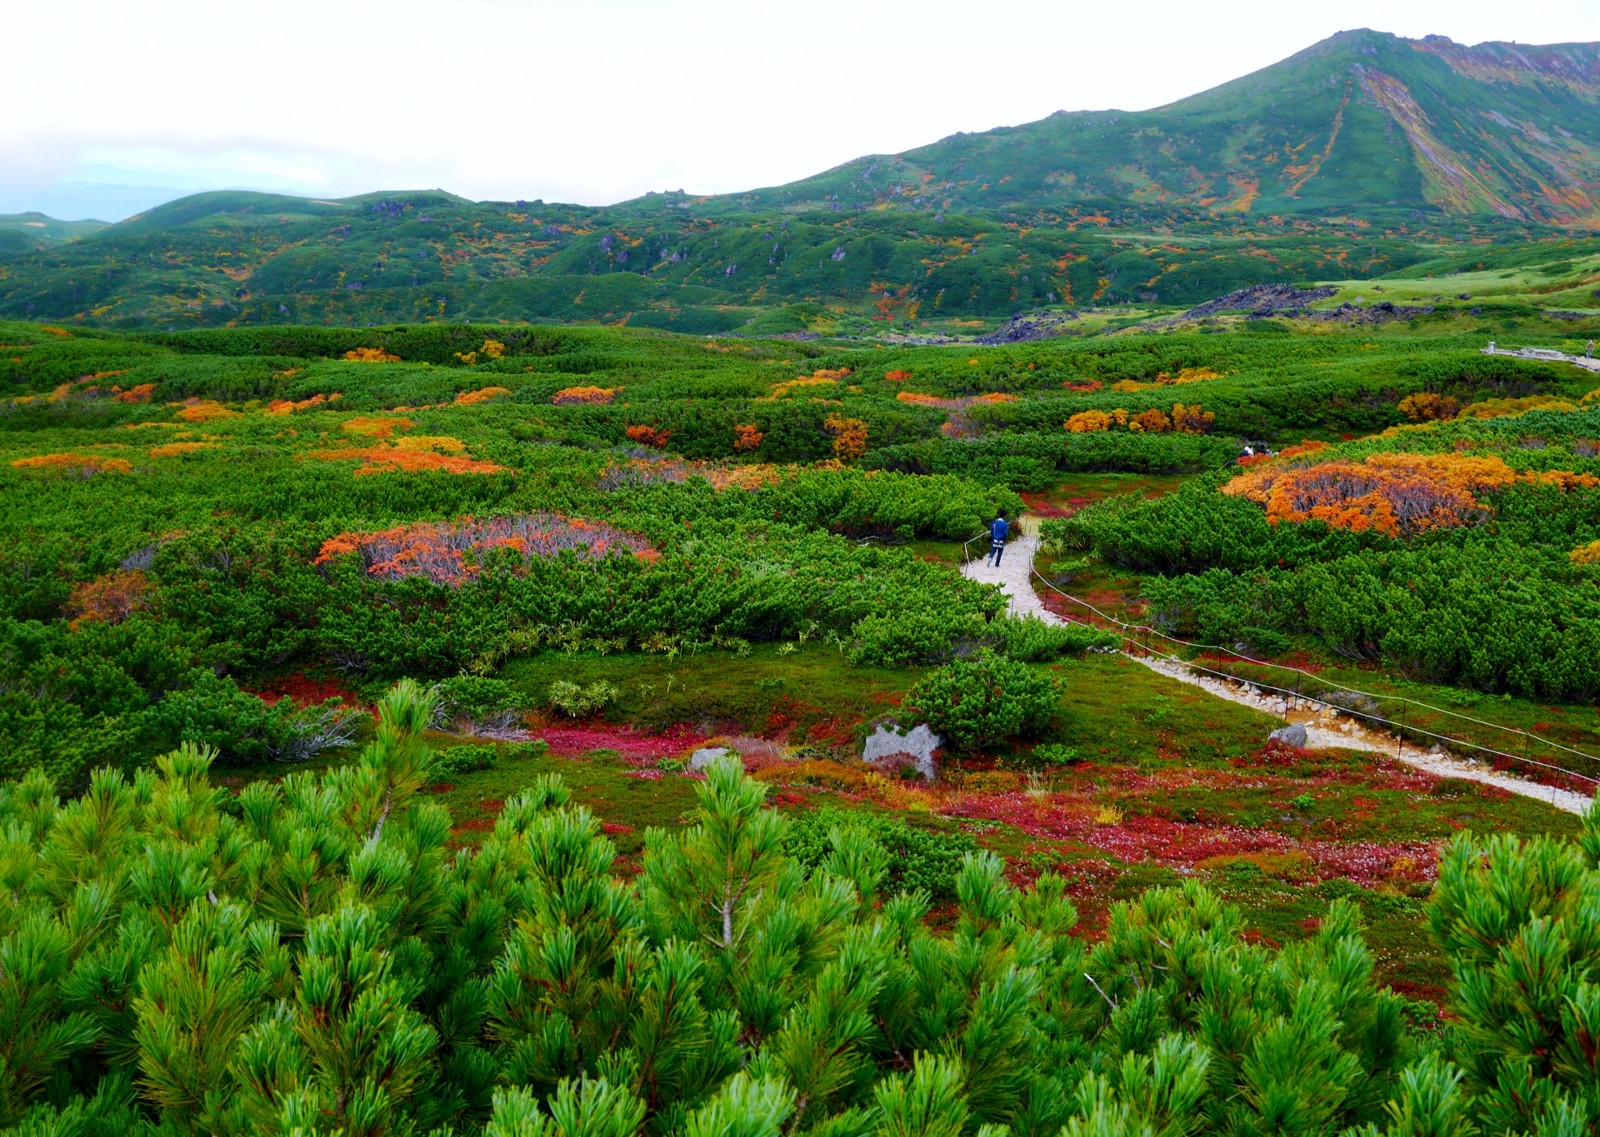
(1402, 727)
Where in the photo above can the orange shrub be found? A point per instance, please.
(370, 426)
(584, 395)
(1151, 421)
(381, 459)
(438, 443)
(1587, 555)
(81, 463)
(648, 436)
(897, 376)
(140, 394)
(789, 387)
(849, 436)
(1082, 385)
(289, 406)
(1396, 494)
(746, 436)
(108, 599)
(1085, 422)
(916, 399)
(1191, 419)
(371, 355)
(1187, 375)
(178, 449)
(204, 410)
(486, 395)
(1426, 406)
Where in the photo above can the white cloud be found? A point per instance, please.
(599, 100)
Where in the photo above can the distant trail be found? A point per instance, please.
(1545, 355)
(1325, 729)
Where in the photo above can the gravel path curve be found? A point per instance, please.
(1325, 729)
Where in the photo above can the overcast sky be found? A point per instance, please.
(112, 106)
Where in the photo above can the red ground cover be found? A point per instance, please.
(570, 741)
(305, 691)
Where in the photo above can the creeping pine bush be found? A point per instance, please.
(915, 858)
(980, 701)
(313, 957)
(457, 760)
(482, 700)
(579, 702)
(1030, 640)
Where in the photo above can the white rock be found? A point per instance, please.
(919, 744)
(700, 759)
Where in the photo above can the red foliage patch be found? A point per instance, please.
(615, 827)
(305, 691)
(1041, 506)
(571, 741)
(1183, 844)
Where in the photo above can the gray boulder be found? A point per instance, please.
(886, 744)
(1294, 735)
(700, 759)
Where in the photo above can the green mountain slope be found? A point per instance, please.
(1363, 123)
(1363, 155)
(20, 232)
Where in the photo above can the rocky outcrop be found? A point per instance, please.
(1024, 328)
(1261, 300)
(888, 748)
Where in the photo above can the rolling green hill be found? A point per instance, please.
(23, 232)
(1362, 156)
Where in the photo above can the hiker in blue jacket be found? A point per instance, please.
(998, 529)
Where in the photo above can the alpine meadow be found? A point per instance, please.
(1085, 629)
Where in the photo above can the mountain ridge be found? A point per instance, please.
(1360, 155)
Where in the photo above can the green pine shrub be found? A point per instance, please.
(984, 700)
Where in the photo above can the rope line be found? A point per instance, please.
(1264, 686)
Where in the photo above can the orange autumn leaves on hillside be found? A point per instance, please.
(849, 436)
(1395, 494)
(108, 599)
(421, 453)
(822, 377)
(646, 435)
(597, 396)
(290, 406)
(204, 410)
(483, 395)
(83, 465)
(1184, 419)
(410, 455)
(370, 355)
(454, 552)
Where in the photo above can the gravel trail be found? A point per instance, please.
(1325, 729)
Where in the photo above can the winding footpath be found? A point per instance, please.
(1326, 729)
